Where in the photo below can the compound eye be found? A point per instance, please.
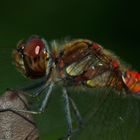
(34, 46)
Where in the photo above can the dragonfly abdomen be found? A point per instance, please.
(132, 81)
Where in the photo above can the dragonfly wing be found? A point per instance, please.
(106, 115)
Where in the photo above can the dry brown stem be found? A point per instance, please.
(16, 125)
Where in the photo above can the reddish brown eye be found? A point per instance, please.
(30, 57)
(34, 46)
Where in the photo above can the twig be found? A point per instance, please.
(15, 125)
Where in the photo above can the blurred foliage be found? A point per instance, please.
(113, 24)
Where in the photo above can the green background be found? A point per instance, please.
(115, 24)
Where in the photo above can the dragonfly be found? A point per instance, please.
(75, 64)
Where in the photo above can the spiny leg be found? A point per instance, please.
(35, 93)
(67, 112)
(38, 91)
(45, 101)
(36, 85)
(20, 110)
(41, 110)
(76, 112)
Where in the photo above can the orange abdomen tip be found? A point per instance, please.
(132, 81)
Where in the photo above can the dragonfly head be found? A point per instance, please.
(132, 81)
(32, 57)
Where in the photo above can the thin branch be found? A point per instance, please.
(15, 125)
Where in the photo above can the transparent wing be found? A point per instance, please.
(106, 114)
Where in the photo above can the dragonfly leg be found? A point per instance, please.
(39, 91)
(41, 110)
(76, 111)
(36, 93)
(45, 101)
(67, 112)
(20, 110)
(42, 89)
(69, 102)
